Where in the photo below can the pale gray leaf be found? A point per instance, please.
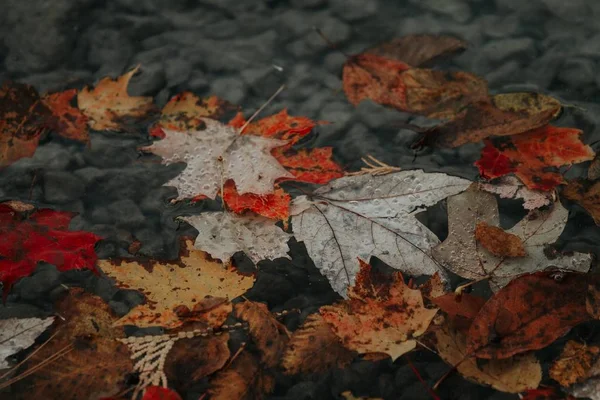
(17, 334)
(510, 187)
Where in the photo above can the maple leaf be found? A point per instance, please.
(275, 205)
(574, 363)
(529, 156)
(223, 234)
(460, 308)
(462, 254)
(498, 242)
(509, 187)
(382, 314)
(189, 281)
(500, 115)
(217, 153)
(109, 107)
(86, 360)
(17, 334)
(364, 216)
(23, 119)
(69, 121)
(585, 193)
(243, 380)
(530, 313)
(28, 238)
(160, 393)
(314, 348)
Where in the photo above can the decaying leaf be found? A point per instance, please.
(268, 334)
(512, 375)
(589, 389)
(509, 187)
(587, 194)
(500, 115)
(215, 153)
(109, 107)
(382, 314)
(17, 334)
(364, 216)
(314, 348)
(69, 122)
(27, 238)
(190, 281)
(88, 362)
(574, 363)
(274, 205)
(244, 379)
(592, 300)
(223, 234)
(530, 156)
(460, 308)
(531, 312)
(462, 254)
(498, 242)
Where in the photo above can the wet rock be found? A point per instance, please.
(43, 280)
(574, 11)
(177, 72)
(57, 80)
(578, 72)
(337, 112)
(108, 46)
(334, 62)
(125, 213)
(62, 187)
(139, 27)
(231, 89)
(119, 308)
(375, 115)
(591, 47)
(499, 27)
(90, 174)
(131, 298)
(157, 200)
(222, 29)
(508, 72)
(504, 49)
(153, 244)
(303, 391)
(456, 9)
(148, 81)
(155, 55)
(354, 10)
(198, 81)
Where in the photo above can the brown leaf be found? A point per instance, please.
(511, 375)
(434, 287)
(109, 107)
(499, 242)
(420, 50)
(69, 122)
(574, 363)
(243, 380)
(594, 169)
(461, 308)
(94, 364)
(592, 300)
(314, 348)
(587, 194)
(269, 335)
(530, 313)
(347, 395)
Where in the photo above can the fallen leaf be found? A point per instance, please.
(28, 238)
(69, 121)
(382, 314)
(215, 153)
(169, 285)
(17, 334)
(314, 348)
(594, 169)
(509, 187)
(160, 393)
(574, 363)
(433, 288)
(275, 205)
(280, 126)
(589, 389)
(547, 393)
(365, 216)
(347, 395)
(109, 107)
(224, 234)
(530, 155)
(419, 50)
(530, 313)
(592, 300)
(462, 254)
(511, 375)
(244, 379)
(269, 335)
(460, 308)
(23, 119)
(499, 242)
(500, 115)
(585, 193)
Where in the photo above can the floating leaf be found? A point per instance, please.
(587, 194)
(69, 121)
(498, 242)
(509, 187)
(382, 314)
(364, 216)
(275, 205)
(574, 363)
(17, 334)
(189, 281)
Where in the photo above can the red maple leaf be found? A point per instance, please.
(26, 239)
(275, 205)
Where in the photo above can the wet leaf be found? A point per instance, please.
(160, 393)
(460, 308)
(191, 281)
(509, 187)
(382, 314)
(530, 313)
(547, 393)
(463, 255)
(17, 334)
(594, 169)
(347, 395)
(530, 155)
(27, 238)
(244, 379)
(574, 363)
(585, 193)
(223, 234)
(109, 107)
(69, 121)
(364, 216)
(275, 205)
(499, 242)
(314, 348)
(280, 126)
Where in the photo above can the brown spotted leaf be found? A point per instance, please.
(460, 308)
(499, 242)
(244, 379)
(574, 363)
(69, 122)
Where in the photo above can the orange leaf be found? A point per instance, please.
(498, 242)
(279, 126)
(274, 205)
(461, 308)
(70, 123)
(309, 165)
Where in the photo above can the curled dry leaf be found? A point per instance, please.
(509, 187)
(191, 281)
(223, 234)
(530, 313)
(314, 348)
(462, 254)
(69, 122)
(274, 205)
(574, 363)
(244, 379)
(585, 193)
(382, 314)
(530, 155)
(364, 216)
(17, 334)
(269, 335)
(109, 107)
(511, 375)
(498, 242)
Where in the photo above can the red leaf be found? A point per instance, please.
(309, 165)
(530, 154)
(279, 126)
(41, 236)
(275, 205)
(545, 394)
(160, 393)
(69, 122)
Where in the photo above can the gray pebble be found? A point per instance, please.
(62, 187)
(504, 49)
(118, 307)
(149, 80)
(508, 72)
(108, 46)
(456, 9)
(177, 72)
(125, 213)
(499, 27)
(578, 72)
(231, 89)
(354, 10)
(44, 279)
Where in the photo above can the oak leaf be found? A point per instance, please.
(498, 242)
(109, 107)
(190, 282)
(574, 363)
(244, 379)
(17, 334)
(364, 216)
(382, 314)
